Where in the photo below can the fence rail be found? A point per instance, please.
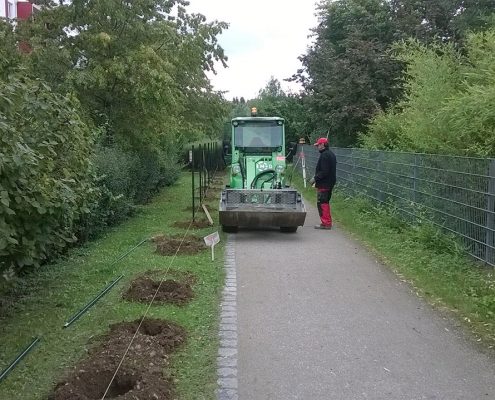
(455, 193)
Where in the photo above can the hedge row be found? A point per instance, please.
(57, 184)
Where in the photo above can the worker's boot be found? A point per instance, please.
(327, 227)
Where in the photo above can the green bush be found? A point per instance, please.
(45, 173)
(116, 192)
(152, 170)
(146, 176)
(115, 169)
(170, 165)
(124, 180)
(448, 106)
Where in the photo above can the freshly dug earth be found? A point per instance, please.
(168, 245)
(141, 374)
(144, 288)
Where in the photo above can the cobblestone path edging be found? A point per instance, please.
(227, 352)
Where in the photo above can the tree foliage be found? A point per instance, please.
(9, 57)
(449, 103)
(273, 101)
(137, 67)
(45, 179)
(440, 21)
(120, 84)
(350, 73)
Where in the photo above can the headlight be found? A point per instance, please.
(236, 169)
(279, 169)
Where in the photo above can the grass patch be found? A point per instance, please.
(434, 263)
(58, 291)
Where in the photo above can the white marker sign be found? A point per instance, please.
(211, 240)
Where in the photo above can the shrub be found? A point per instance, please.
(124, 180)
(113, 169)
(448, 105)
(45, 179)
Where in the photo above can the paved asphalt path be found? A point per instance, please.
(319, 318)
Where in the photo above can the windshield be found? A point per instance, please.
(258, 134)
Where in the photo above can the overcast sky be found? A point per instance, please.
(264, 39)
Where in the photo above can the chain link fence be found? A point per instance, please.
(455, 193)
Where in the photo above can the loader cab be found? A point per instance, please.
(258, 159)
(258, 136)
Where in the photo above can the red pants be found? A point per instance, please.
(323, 204)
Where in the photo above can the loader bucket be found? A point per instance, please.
(282, 208)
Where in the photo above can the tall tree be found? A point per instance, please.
(441, 20)
(348, 73)
(274, 102)
(138, 67)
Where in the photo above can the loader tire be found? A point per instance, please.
(230, 229)
(288, 229)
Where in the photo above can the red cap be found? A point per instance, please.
(321, 140)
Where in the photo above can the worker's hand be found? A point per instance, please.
(312, 181)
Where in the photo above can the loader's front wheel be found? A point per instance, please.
(230, 229)
(288, 229)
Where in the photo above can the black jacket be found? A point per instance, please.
(326, 167)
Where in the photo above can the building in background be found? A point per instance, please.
(16, 9)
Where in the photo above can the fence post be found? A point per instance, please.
(415, 177)
(490, 218)
(200, 173)
(415, 180)
(192, 180)
(353, 169)
(208, 164)
(382, 187)
(205, 175)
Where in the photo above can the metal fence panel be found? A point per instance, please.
(454, 193)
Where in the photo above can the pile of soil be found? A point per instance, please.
(168, 245)
(144, 288)
(141, 374)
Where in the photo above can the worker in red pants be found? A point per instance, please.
(324, 181)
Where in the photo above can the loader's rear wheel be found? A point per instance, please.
(230, 229)
(288, 229)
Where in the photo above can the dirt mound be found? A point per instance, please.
(170, 245)
(141, 374)
(144, 288)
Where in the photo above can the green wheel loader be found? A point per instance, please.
(257, 195)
